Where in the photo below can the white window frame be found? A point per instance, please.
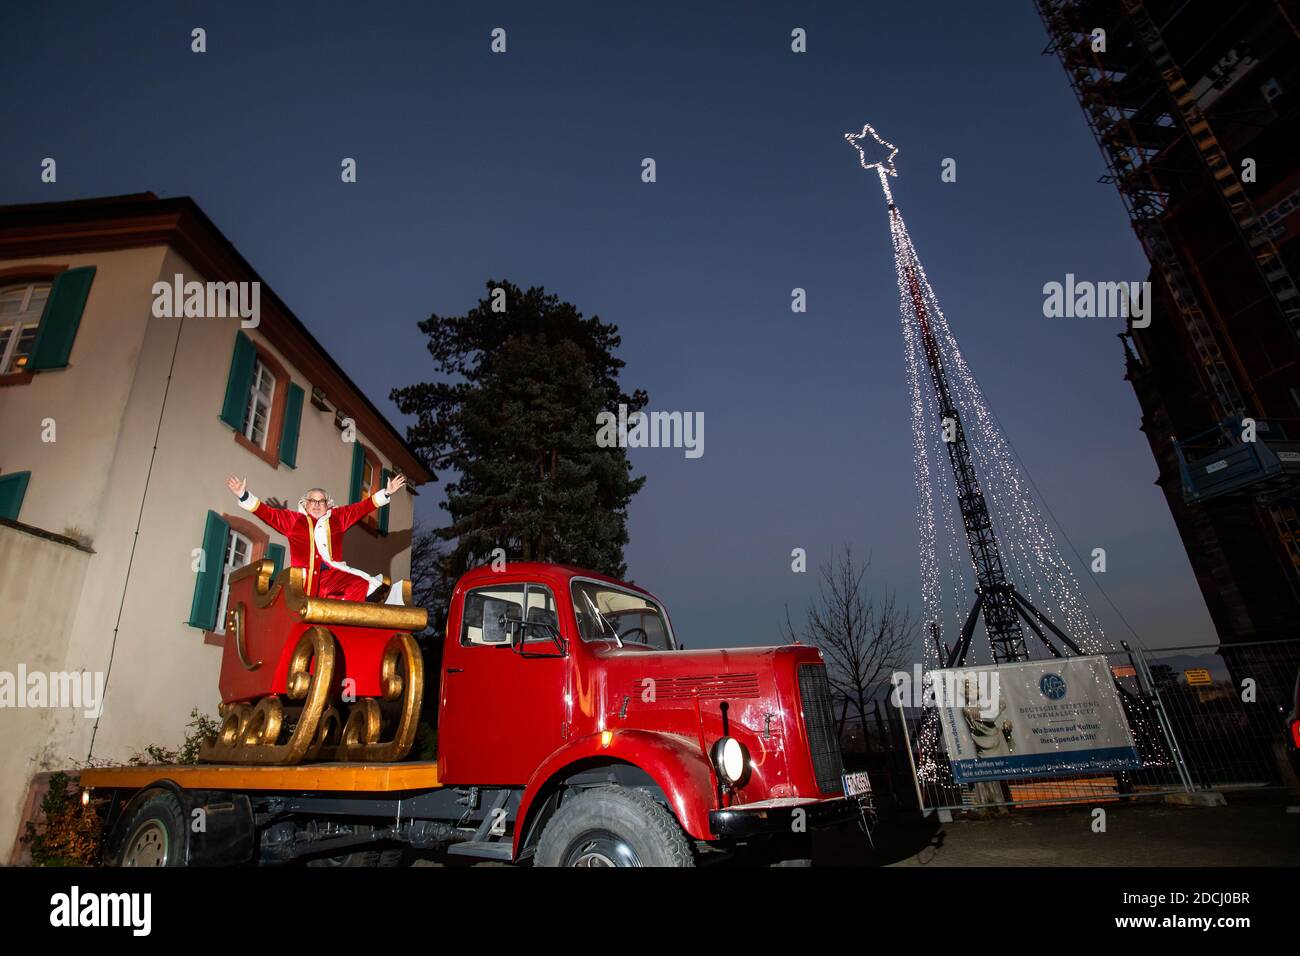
(261, 371)
(232, 536)
(14, 324)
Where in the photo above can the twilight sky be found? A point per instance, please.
(526, 166)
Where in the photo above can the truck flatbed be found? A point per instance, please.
(305, 778)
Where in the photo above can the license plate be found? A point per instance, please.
(857, 784)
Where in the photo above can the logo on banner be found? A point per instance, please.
(1052, 686)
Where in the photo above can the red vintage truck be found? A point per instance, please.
(572, 730)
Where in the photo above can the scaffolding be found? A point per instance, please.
(1158, 143)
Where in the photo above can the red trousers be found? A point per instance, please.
(342, 586)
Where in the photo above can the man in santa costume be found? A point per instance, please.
(315, 533)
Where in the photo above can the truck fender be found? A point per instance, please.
(676, 765)
(225, 836)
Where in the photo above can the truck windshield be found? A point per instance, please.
(605, 612)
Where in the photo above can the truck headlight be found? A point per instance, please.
(729, 758)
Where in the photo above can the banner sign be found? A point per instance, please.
(1036, 718)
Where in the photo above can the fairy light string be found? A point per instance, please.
(1028, 548)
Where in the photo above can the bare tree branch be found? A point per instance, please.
(864, 638)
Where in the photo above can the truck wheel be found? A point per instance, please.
(360, 857)
(156, 834)
(613, 826)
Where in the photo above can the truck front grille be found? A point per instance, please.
(819, 725)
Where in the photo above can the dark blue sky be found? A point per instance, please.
(526, 166)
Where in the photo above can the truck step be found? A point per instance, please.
(483, 849)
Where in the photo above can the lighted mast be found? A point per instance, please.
(937, 413)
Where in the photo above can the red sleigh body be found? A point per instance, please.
(305, 678)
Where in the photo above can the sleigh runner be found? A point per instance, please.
(307, 679)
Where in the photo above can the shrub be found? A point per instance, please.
(200, 728)
(70, 833)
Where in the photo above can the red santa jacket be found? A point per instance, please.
(316, 544)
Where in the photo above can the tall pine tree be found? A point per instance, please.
(516, 420)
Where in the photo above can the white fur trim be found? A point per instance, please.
(321, 534)
(381, 498)
(372, 580)
(249, 502)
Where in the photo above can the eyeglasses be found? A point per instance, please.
(317, 501)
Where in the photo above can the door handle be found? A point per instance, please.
(455, 670)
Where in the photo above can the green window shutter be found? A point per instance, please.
(383, 512)
(276, 553)
(239, 382)
(207, 583)
(12, 488)
(292, 420)
(358, 469)
(60, 319)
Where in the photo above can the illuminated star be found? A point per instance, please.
(862, 144)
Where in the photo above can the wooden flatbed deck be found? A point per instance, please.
(316, 777)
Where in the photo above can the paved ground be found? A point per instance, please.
(1249, 831)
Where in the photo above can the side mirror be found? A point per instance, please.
(498, 616)
(522, 631)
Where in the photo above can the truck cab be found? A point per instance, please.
(554, 677)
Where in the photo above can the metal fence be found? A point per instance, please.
(1202, 718)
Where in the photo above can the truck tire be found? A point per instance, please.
(613, 826)
(156, 834)
(390, 857)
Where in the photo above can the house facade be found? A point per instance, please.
(122, 412)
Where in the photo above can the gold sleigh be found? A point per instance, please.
(314, 679)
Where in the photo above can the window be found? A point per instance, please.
(21, 307)
(480, 605)
(239, 552)
(541, 610)
(261, 393)
(509, 600)
(368, 476)
(230, 542)
(261, 404)
(604, 612)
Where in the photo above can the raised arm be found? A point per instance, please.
(281, 519)
(348, 515)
